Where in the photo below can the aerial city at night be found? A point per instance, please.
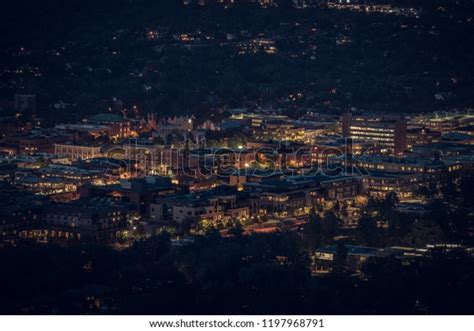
(237, 157)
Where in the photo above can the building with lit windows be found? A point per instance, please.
(422, 136)
(76, 152)
(428, 169)
(94, 220)
(322, 261)
(390, 133)
(120, 127)
(378, 184)
(213, 206)
(18, 211)
(445, 121)
(295, 196)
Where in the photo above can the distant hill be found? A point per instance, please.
(162, 56)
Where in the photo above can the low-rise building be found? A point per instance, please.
(76, 152)
(32, 143)
(323, 258)
(296, 195)
(445, 121)
(422, 136)
(379, 184)
(18, 211)
(119, 126)
(93, 220)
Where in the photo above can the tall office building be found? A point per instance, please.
(388, 132)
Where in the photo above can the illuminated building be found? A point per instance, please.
(379, 184)
(153, 159)
(295, 196)
(140, 193)
(445, 121)
(388, 133)
(76, 152)
(45, 186)
(196, 207)
(422, 136)
(18, 211)
(321, 151)
(282, 131)
(119, 126)
(428, 168)
(323, 258)
(69, 173)
(95, 220)
(212, 206)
